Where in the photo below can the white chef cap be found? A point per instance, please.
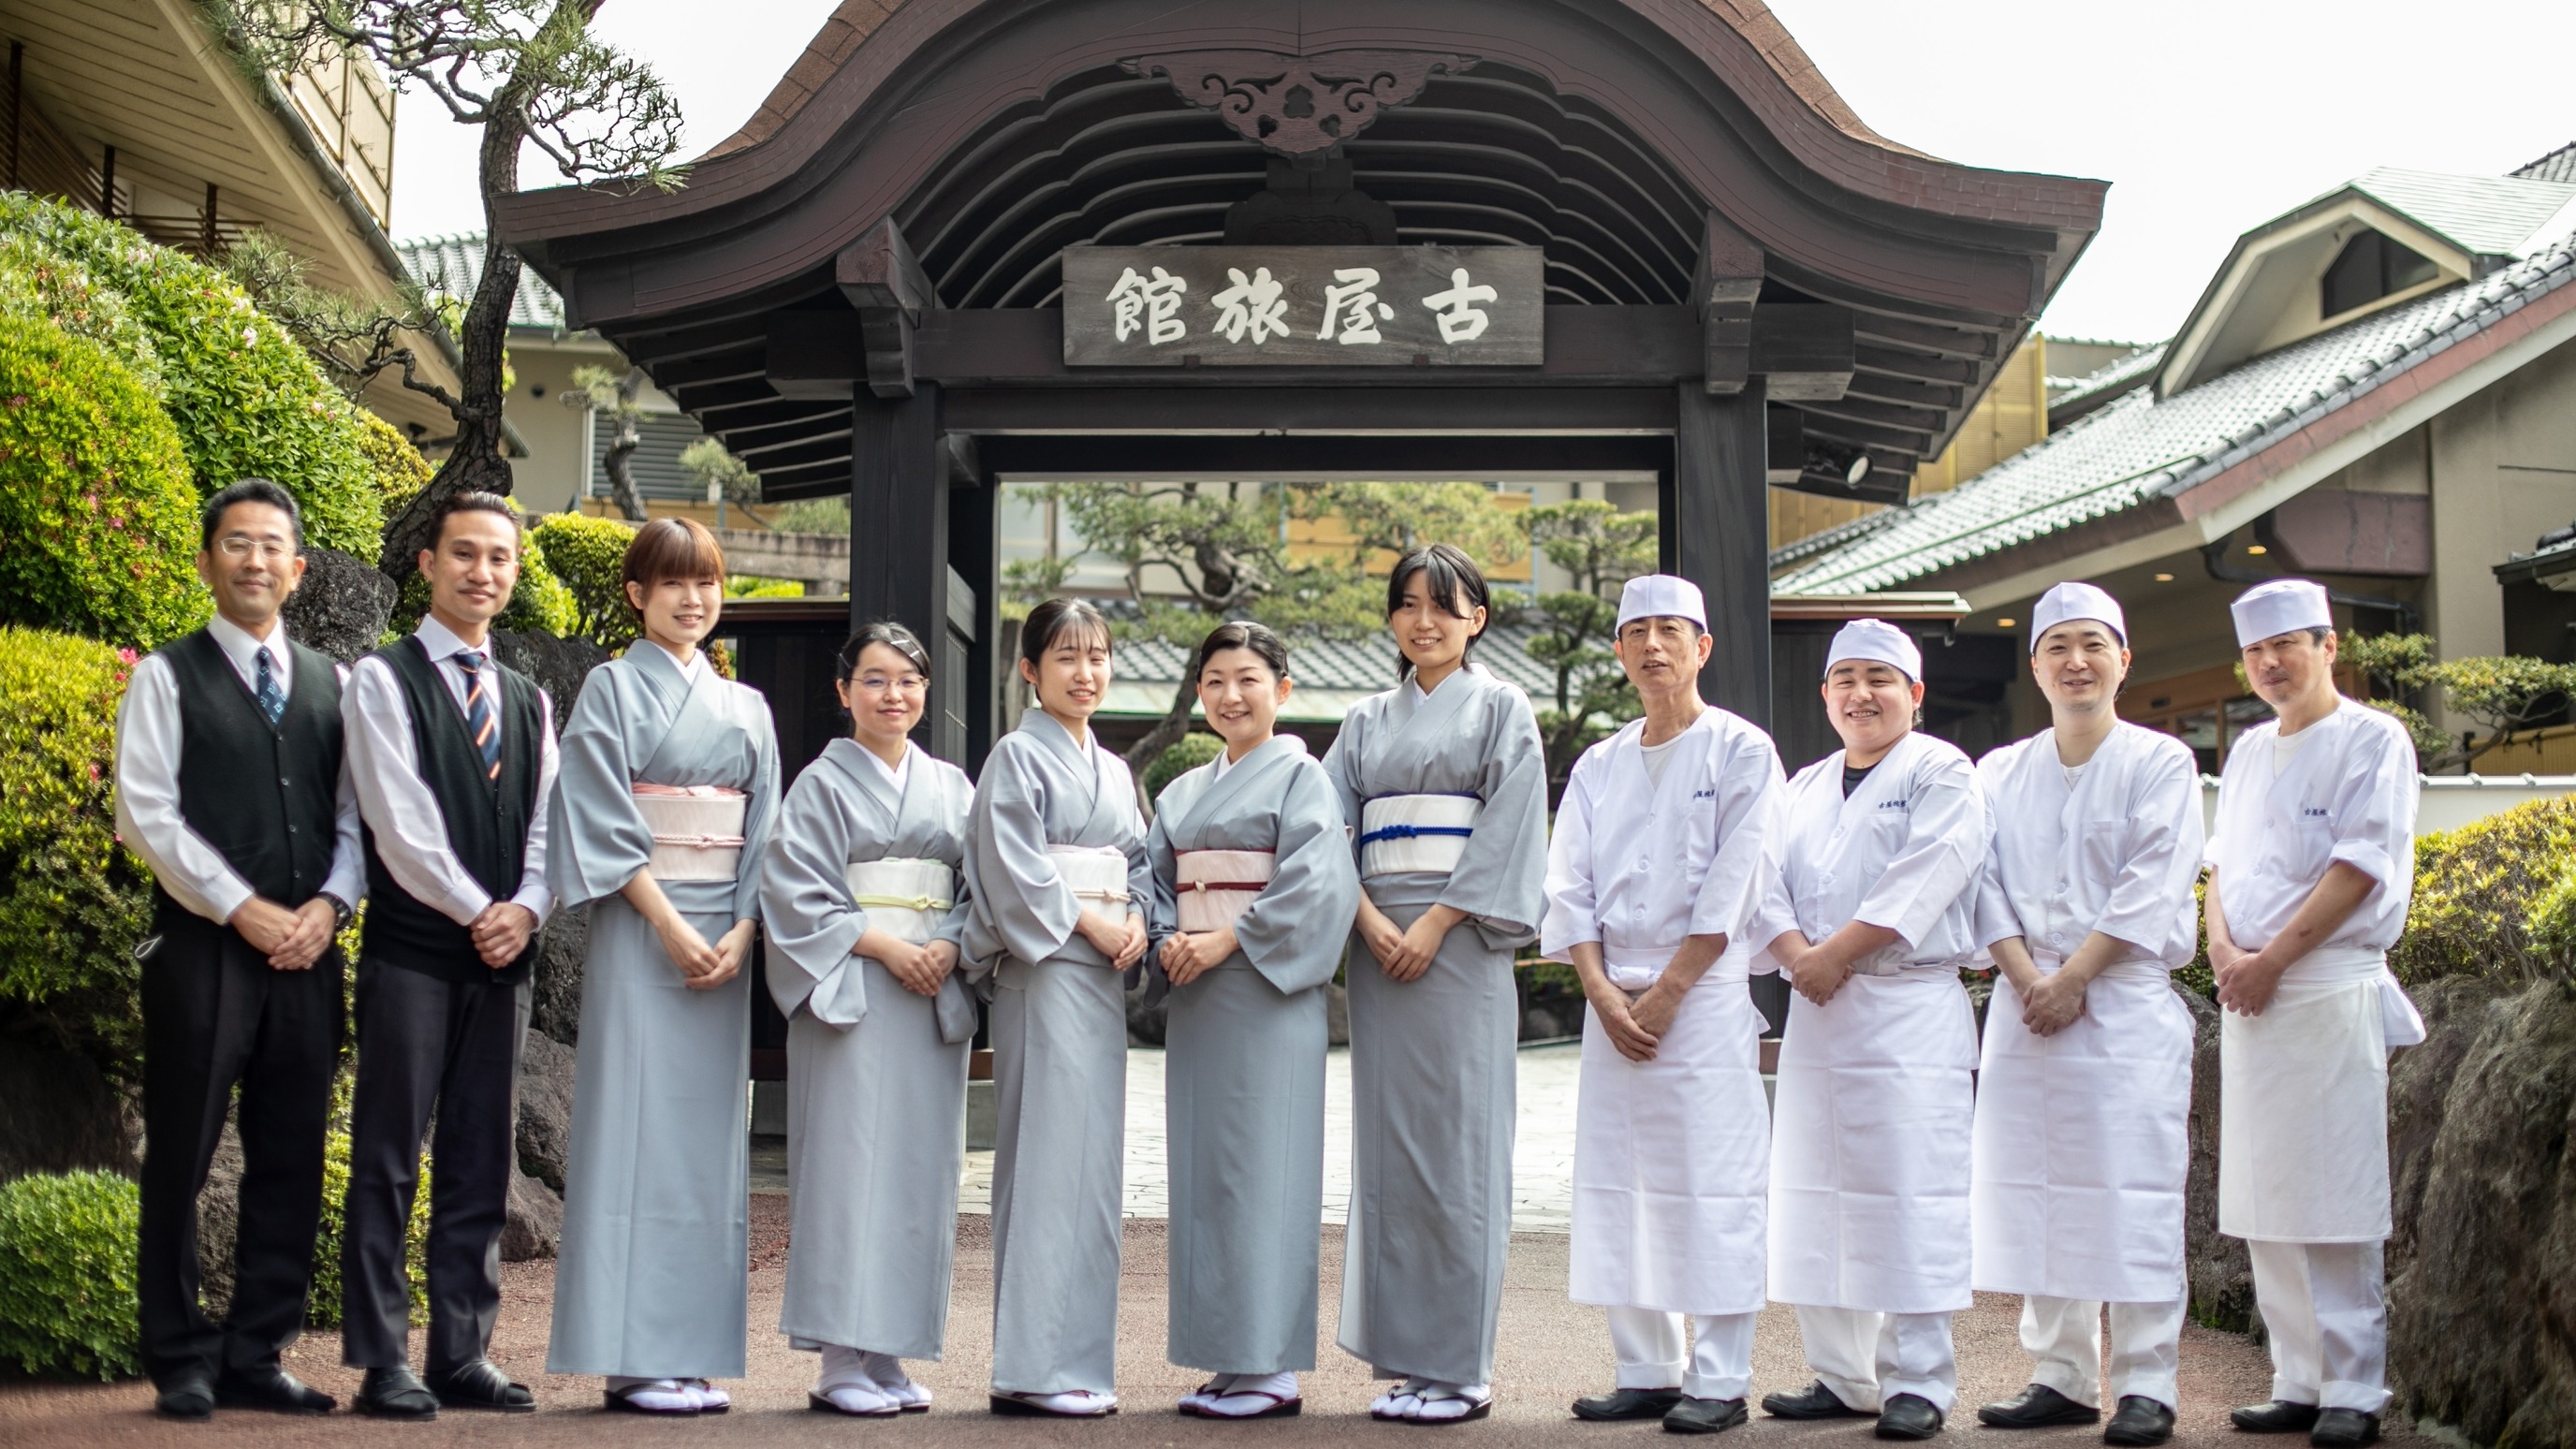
(2077, 601)
(1879, 640)
(2282, 606)
(1661, 596)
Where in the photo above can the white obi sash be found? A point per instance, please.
(903, 897)
(1217, 886)
(1094, 873)
(1416, 834)
(697, 830)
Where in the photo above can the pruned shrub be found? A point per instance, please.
(589, 555)
(67, 1304)
(73, 902)
(1179, 758)
(2481, 889)
(36, 283)
(97, 516)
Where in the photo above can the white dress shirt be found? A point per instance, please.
(147, 783)
(411, 835)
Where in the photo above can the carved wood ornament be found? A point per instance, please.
(1296, 105)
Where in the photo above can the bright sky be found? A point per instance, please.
(2207, 116)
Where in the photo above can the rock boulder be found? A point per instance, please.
(545, 1109)
(2217, 1268)
(535, 1225)
(219, 1222)
(557, 665)
(342, 605)
(554, 1005)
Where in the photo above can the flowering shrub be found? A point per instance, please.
(2491, 897)
(97, 519)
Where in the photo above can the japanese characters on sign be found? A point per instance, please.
(1303, 306)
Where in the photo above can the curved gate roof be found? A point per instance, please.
(996, 132)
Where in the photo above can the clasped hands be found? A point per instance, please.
(292, 939)
(704, 967)
(1122, 940)
(1405, 954)
(1189, 955)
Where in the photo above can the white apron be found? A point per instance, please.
(1670, 1156)
(1869, 1156)
(2083, 1143)
(2303, 1107)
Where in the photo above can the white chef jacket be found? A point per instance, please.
(195, 874)
(411, 834)
(2117, 852)
(2348, 793)
(1639, 867)
(1904, 852)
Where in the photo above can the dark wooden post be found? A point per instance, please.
(1716, 533)
(107, 185)
(207, 238)
(899, 543)
(17, 104)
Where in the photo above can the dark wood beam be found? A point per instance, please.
(881, 278)
(1715, 528)
(1929, 336)
(1144, 408)
(1257, 457)
(899, 536)
(1918, 366)
(1803, 351)
(1785, 444)
(1728, 283)
(818, 354)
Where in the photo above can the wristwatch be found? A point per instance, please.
(341, 911)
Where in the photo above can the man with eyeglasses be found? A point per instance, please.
(232, 784)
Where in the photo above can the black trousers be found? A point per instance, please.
(215, 1015)
(428, 1045)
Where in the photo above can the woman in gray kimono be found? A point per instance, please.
(1058, 885)
(860, 899)
(1445, 789)
(1254, 892)
(662, 813)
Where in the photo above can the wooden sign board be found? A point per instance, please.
(1174, 306)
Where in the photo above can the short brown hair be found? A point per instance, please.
(672, 548)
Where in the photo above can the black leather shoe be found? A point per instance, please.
(396, 1393)
(2140, 1421)
(1704, 1416)
(189, 1395)
(1627, 1404)
(1815, 1401)
(1908, 1416)
(2277, 1417)
(272, 1388)
(481, 1385)
(2034, 1407)
(2344, 1429)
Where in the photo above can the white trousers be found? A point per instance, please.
(1868, 1358)
(2063, 1337)
(2325, 1307)
(1654, 1353)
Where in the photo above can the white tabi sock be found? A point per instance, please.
(847, 1385)
(1250, 1394)
(888, 1372)
(1450, 1401)
(660, 1396)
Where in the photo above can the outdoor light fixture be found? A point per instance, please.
(2256, 550)
(1858, 472)
(2002, 623)
(1847, 466)
(2164, 578)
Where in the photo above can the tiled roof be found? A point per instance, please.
(1367, 664)
(2485, 215)
(454, 265)
(2142, 447)
(2110, 378)
(2558, 165)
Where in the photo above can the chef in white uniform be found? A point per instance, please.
(1651, 878)
(2314, 855)
(1869, 907)
(2084, 1100)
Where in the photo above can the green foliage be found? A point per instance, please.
(713, 468)
(2505, 693)
(2491, 898)
(322, 1309)
(35, 282)
(73, 902)
(1602, 548)
(753, 586)
(815, 515)
(96, 514)
(243, 394)
(401, 472)
(542, 600)
(1184, 755)
(589, 555)
(67, 1303)
(351, 339)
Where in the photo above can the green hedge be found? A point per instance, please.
(245, 398)
(67, 1275)
(73, 902)
(97, 517)
(34, 282)
(2492, 898)
(589, 555)
(1179, 758)
(322, 1309)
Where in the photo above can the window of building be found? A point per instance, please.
(2370, 267)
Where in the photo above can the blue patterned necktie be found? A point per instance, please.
(480, 721)
(272, 700)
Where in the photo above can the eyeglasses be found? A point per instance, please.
(238, 545)
(879, 684)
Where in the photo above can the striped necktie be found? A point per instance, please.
(480, 721)
(272, 700)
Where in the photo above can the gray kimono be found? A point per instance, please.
(1244, 1070)
(655, 1239)
(1059, 1025)
(1432, 1059)
(876, 1074)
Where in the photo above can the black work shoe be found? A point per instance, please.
(189, 1395)
(1815, 1401)
(2140, 1421)
(481, 1385)
(1626, 1404)
(1704, 1416)
(2035, 1406)
(2277, 1417)
(396, 1393)
(2344, 1429)
(1908, 1416)
(272, 1388)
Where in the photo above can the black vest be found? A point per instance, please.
(487, 820)
(265, 796)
